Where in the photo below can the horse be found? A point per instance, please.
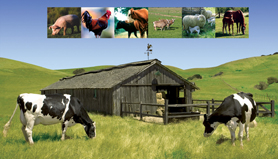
(228, 21)
(238, 19)
(141, 19)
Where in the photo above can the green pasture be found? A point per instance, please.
(129, 138)
(174, 30)
(219, 32)
(75, 34)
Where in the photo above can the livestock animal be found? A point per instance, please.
(67, 21)
(195, 29)
(127, 27)
(171, 22)
(207, 14)
(51, 109)
(161, 24)
(141, 16)
(236, 110)
(192, 21)
(228, 21)
(238, 19)
(211, 20)
(96, 25)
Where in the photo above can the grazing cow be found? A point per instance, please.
(237, 109)
(127, 27)
(51, 109)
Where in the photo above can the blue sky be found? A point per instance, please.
(23, 37)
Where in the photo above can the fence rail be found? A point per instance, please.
(265, 110)
(209, 106)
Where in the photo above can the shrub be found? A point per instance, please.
(218, 74)
(78, 71)
(196, 76)
(271, 80)
(261, 86)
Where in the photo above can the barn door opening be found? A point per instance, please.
(172, 93)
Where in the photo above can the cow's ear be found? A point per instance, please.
(205, 117)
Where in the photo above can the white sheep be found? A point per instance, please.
(211, 20)
(195, 29)
(192, 21)
(207, 14)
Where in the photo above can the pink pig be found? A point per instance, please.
(67, 21)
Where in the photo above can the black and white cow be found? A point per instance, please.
(236, 110)
(51, 109)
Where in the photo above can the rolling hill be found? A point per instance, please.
(18, 77)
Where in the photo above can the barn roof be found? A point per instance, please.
(108, 77)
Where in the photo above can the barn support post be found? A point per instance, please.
(166, 112)
(121, 108)
(212, 106)
(141, 116)
(208, 108)
(272, 108)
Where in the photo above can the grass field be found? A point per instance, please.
(75, 34)
(129, 138)
(174, 31)
(219, 32)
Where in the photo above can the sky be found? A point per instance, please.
(23, 37)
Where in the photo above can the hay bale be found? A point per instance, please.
(158, 95)
(160, 101)
(160, 111)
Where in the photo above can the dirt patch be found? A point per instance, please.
(165, 15)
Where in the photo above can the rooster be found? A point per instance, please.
(96, 25)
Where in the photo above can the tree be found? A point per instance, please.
(78, 71)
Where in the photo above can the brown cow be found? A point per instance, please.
(141, 16)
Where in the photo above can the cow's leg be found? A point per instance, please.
(233, 135)
(24, 133)
(135, 33)
(247, 131)
(64, 129)
(240, 133)
(28, 129)
(129, 32)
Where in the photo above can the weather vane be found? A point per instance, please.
(149, 51)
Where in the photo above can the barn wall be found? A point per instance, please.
(140, 88)
(97, 100)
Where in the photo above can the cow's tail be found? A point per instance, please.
(8, 124)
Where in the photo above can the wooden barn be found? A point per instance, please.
(103, 90)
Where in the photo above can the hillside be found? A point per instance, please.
(19, 77)
(242, 75)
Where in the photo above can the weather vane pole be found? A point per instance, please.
(149, 51)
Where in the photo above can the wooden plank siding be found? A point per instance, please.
(140, 87)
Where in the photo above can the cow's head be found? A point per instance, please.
(209, 127)
(91, 130)
(55, 29)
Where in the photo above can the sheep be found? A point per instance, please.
(195, 29)
(192, 21)
(211, 20)
(207, 14)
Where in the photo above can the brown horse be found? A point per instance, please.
(141, 18)
(228, 21)
(238, 19)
